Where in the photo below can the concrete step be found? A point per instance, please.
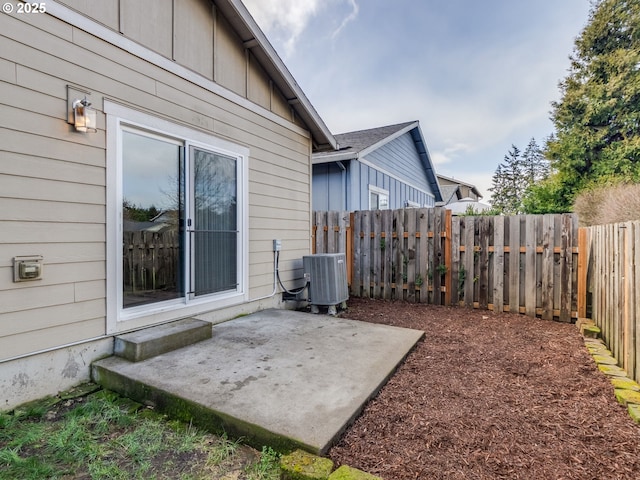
(147, 343)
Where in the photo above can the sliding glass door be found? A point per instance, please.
(152, 219)
(214, 222)
(180, 220)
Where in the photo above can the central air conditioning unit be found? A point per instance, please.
(327, 276)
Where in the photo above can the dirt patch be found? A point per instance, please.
(489, 396)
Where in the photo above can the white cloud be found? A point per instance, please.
(475, 88)
(284, 21)
(349, 18)
(451, 152)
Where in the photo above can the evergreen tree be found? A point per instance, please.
(508, 184)
(516, 177)
(534, 164)
(597, 120)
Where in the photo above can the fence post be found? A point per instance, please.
(583, 254)
(314, 229)
(349, 249)
(447, 258)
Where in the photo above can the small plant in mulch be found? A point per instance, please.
(104, 436)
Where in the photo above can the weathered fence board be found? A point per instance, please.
(425, 251)
(498, 264)
(150, 260)
(613, 281)
(522, 264)
(469, 257)
(514, 264)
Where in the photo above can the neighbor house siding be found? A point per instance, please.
(364, 176)
(53, 180)
(329, 184)
(401, 158)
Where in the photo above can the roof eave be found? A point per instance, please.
(364, 152)
(427, 163)
(255, 39)
(335, 157)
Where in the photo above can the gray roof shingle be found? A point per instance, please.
(355, 142)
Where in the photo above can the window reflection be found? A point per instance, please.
(152, 212)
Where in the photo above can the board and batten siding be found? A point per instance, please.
(330, 186)
(362, 176)
(53, 180)
(401, 157)
(335, 190)
(193, 34)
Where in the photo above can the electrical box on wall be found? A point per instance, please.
(26, 269)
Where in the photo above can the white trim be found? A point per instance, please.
(395, 177)
(119, 118)
(167, 128)
(380, 192)
(90, 26)
(385, 140)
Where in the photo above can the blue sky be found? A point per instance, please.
(478, 75)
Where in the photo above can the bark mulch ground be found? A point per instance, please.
(489, 396)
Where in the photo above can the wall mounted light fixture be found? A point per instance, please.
(84, 116)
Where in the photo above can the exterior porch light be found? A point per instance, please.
(84, 116)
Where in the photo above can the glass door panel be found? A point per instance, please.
(214, 256)
(152, 218)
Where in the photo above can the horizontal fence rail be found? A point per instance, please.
(525, 264)
(614, 286)
(522, 263)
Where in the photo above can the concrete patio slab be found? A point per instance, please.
(280, 378)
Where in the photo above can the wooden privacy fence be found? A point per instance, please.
(613, 256)
(526, 263)
(150, 260)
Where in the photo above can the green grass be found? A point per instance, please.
(104, 436)
(267, 468)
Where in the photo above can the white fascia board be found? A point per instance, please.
(78, 20)
(336, 157)
(433, 168)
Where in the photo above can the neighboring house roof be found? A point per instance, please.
(254, 39)
(358, 144)
(450, 193)
(462, 206)
(133, 226)
(454, 181)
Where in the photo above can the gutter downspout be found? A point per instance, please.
(344, 184)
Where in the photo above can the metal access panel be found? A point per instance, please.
(327, 278)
